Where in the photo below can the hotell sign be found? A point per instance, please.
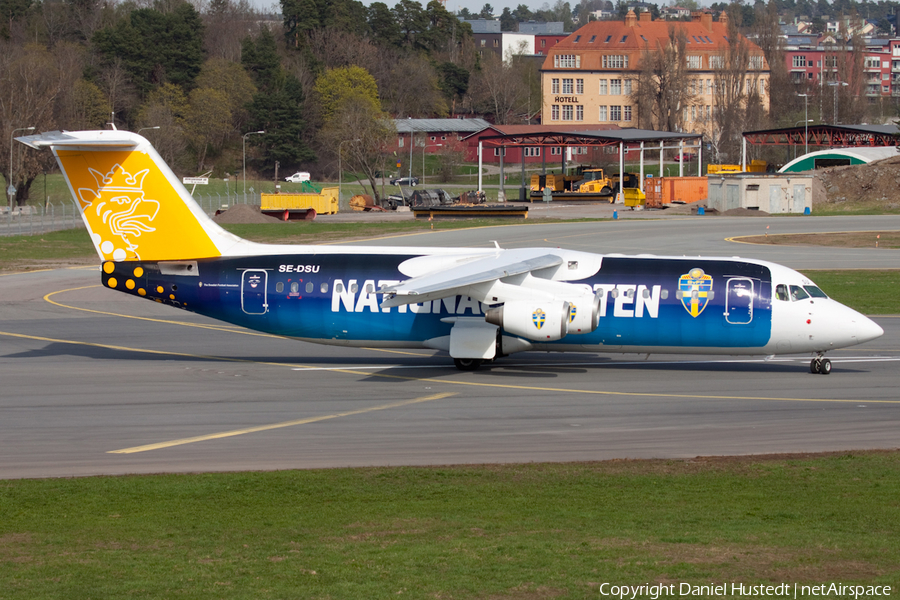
(563, 99)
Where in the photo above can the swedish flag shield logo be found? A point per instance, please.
(695, 291)
(538, 317)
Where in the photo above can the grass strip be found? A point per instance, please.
(869, 292)
(46, 250)
(510, 531)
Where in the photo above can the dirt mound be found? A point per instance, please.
(244, 213)
(745, 212)
(872, 186)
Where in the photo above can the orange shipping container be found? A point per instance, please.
(665, 190)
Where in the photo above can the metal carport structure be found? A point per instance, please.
(834, 136)
(623, 138)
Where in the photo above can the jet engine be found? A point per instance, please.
(585, 313)
(539, 321)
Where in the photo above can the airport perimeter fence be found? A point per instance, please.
(56, 216)
(31, 220)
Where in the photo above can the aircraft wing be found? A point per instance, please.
(464, 279)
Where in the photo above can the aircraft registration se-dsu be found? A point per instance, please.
(476, 304)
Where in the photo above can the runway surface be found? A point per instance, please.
(95, 382)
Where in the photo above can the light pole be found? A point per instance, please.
(806, 116)
(808, 121)
(143, 128)
(340, 172)
(835, 85)
(244, 150)
(10, 189)
(424, 147)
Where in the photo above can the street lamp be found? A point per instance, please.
(835, 85)
(10, 189)
(244, 150)
(143, 128)
(806, 116)
(340, 172)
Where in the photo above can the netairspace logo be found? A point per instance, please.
(738, 590)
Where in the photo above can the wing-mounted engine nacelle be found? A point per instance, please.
(539, 321)
(585, 313)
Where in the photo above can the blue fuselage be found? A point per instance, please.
(332, 298)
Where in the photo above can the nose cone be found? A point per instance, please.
(868, 329)
(848, 327)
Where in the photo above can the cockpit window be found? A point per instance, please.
(781, 292)
(814, 291)
(798, 293)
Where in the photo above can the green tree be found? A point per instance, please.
(11, 11)
(276, 107)
(336, 87)
(279, 114)
(411, 19)
(87, 108)
(454, 82)
(486, 12)
(383, 25)
(233, 81)
(156, 47)
(207, 122)
(507, 20)
(259, 56)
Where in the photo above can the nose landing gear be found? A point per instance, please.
(820, 365)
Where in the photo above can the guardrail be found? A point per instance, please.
(55, 216)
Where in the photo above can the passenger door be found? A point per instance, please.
(253, 292)
(739, 301)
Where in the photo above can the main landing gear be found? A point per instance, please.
(820, 365)
(467, 364)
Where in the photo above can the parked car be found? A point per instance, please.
(686, 157)
(413, 181)
(298, 177)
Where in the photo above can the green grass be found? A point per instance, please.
(869, 292)
(31, 251)
(512, 531)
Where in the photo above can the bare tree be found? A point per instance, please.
(662, 88)
(366, 133)
(499, 89)
(736, 95)
(31, 80)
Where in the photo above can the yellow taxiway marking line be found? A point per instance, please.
(80, 268)
(229, 328)
(246, 430)
(737, 239)
(452, 382)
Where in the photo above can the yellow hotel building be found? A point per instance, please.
(588, 77)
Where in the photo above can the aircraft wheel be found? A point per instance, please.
(467, 364)
(814, 366)
(825, 367)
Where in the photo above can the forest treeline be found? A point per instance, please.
(195, 82)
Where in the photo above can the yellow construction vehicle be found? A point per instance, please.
(590, 184)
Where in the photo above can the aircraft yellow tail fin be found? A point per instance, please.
(134, 207)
